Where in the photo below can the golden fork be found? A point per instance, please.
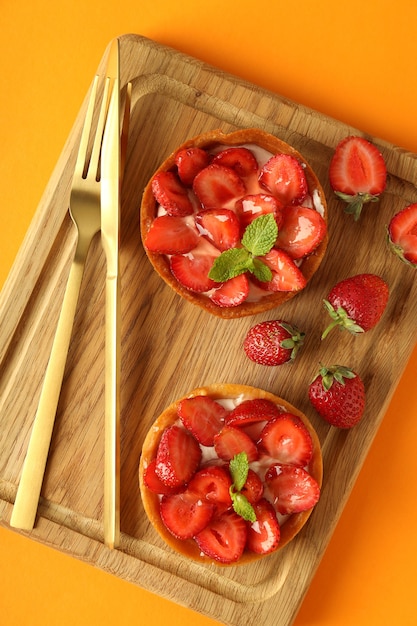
(85, 210)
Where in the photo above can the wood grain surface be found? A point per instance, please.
(170, 346)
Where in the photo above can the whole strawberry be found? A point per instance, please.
(357, 173)
(273, 342)
(402, 235)
(357, 303)
(338, 395)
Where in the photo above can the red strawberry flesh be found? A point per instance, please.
(357, 167)
(224, 538)
(178, 456)
(171, 235)
(170, 194)
(251, 411)
(402, 232)
(284, 177)
(216, 185)
(231, 441)
(185, 514)
(302, 230)
(293, 488)
(265, 533)
(287, 440)
(203, 417)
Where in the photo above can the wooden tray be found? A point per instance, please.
(171, 346)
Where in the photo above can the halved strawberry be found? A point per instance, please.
(250, 411)
(253, 488)
(293, 488)
(286, 276)
(216, 185)
(219, 226)
(171, 194)
(185, 514)
(264, 534)
(224, 537)
(357, 173)
(192, 270)
(178, 456)
(203, 417)
(302, 230)
(287, 440)
(213, 483)
(284, 177)
(155, 484)
(189, 162)
(231, 441)
(241, 159)
(252, 206)
(231, 293)
(402, 234)
(171, 235)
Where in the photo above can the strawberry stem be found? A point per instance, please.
(340, 318)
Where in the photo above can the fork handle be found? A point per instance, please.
(112, 413)
(27, 497)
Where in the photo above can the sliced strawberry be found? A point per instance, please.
(286, 276)
(293, 488)
(185, 514)
(177, 457)
(171, 235)
(213, 483)
(203, 417)
(171, 194)
(302, 230)
(402, 234)
(252, 206)
(287, 440)
(192, 270)
(231, 441)
(189, 162)
(216, 185)
(154, 483)
(250, 411)
(224, 538)
(264, 534)
(253, 488)
(219, 226)
(283, 176)
(357, 166)
(231, 293)
(357, 173)
(240, 159)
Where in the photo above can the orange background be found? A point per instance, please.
(354, 61)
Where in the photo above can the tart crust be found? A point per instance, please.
(160, 262)
(292, 525)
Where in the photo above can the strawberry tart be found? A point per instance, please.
(235, 223)
(230, 473)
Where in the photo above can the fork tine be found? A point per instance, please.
(94, 166)
(82, 150)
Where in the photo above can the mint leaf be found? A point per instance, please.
(239, 467)
(261, 270)
(243, 507)
(229, 264)
(260, 235)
